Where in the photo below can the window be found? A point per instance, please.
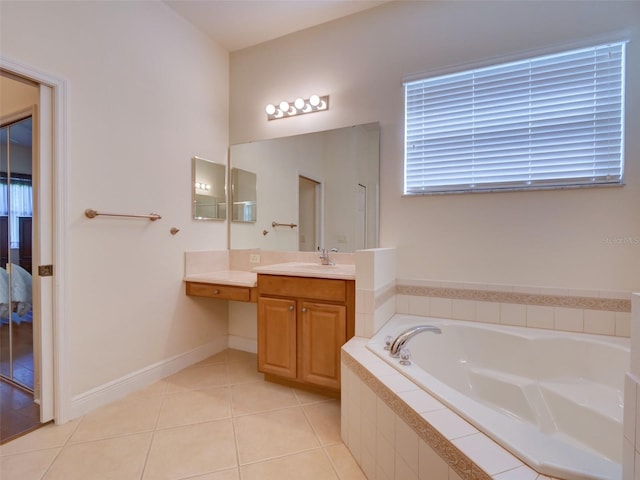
(19, 195)
(549, 121)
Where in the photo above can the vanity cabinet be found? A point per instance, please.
(302, 324)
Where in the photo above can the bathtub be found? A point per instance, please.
(553, 399)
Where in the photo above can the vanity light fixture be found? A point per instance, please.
(300, 106)
(203, 186)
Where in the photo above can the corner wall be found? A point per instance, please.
(147, 91)
(583, 239)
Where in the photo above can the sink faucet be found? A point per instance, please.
(405, 336)
(324, 256)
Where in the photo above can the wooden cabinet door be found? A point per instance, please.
(323, 331)
(277, 337)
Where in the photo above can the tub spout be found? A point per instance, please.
(405, 336)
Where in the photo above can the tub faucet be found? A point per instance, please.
(409, 333)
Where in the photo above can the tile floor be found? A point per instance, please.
(216, 420)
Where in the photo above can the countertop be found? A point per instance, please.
(316, 270)
(236, 278)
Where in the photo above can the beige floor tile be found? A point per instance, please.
(270, 434)
(198, 376)
(305, 397)
(49, 436)
(344, 463)
(183, 428)
(119, 458)
(191, 450)
(232, 474)
(217, 358)
(239, 355)
(27, 466)
(195, 406)
(325, 420)
(260, 396)
(243, 372)
(132, 414)
(312, 465)
(152, 390)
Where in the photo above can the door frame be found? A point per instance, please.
(52, 159)
(319, 240)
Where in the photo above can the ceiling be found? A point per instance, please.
(237, 24)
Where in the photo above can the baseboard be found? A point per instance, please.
(121, 387)
(242, 343)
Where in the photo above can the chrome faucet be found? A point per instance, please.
(324, 256)
(407, 335)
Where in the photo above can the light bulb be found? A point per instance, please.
(314, 100)
(284, 106)
(299, 103)
(270, 109)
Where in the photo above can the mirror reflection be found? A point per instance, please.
(317, 190)
(16, 211)
(209, 193)
(243, 196)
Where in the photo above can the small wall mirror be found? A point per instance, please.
(209, 192)
(243, 196)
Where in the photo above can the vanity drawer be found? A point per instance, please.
(224, 292)
(303, 287)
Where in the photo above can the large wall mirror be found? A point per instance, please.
(209, 192)
(317, 190)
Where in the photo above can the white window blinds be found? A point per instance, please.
(555, 120)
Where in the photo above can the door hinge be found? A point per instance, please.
(45, 270)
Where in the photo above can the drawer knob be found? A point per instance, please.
(304, 309)
(290, 307)
(216, 292)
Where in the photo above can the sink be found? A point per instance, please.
(342, 271)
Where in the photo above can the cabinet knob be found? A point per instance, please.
(304, 309)
(290, 307)
(216, 292)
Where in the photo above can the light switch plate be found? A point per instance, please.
(254, 258)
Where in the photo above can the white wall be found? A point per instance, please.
(147, 92)
(544, 238)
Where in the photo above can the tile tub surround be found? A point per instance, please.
(631, 426)
(396, 431)
(597, 312)
(375, 289)
(380, 294)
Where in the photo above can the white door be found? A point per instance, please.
(309, 214)
(42, 115)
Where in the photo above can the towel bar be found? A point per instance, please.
(290, 225)
(91, 213)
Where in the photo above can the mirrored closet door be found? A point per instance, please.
(16, 211)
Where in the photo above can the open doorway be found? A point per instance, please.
(309, 214)
(19, 407)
